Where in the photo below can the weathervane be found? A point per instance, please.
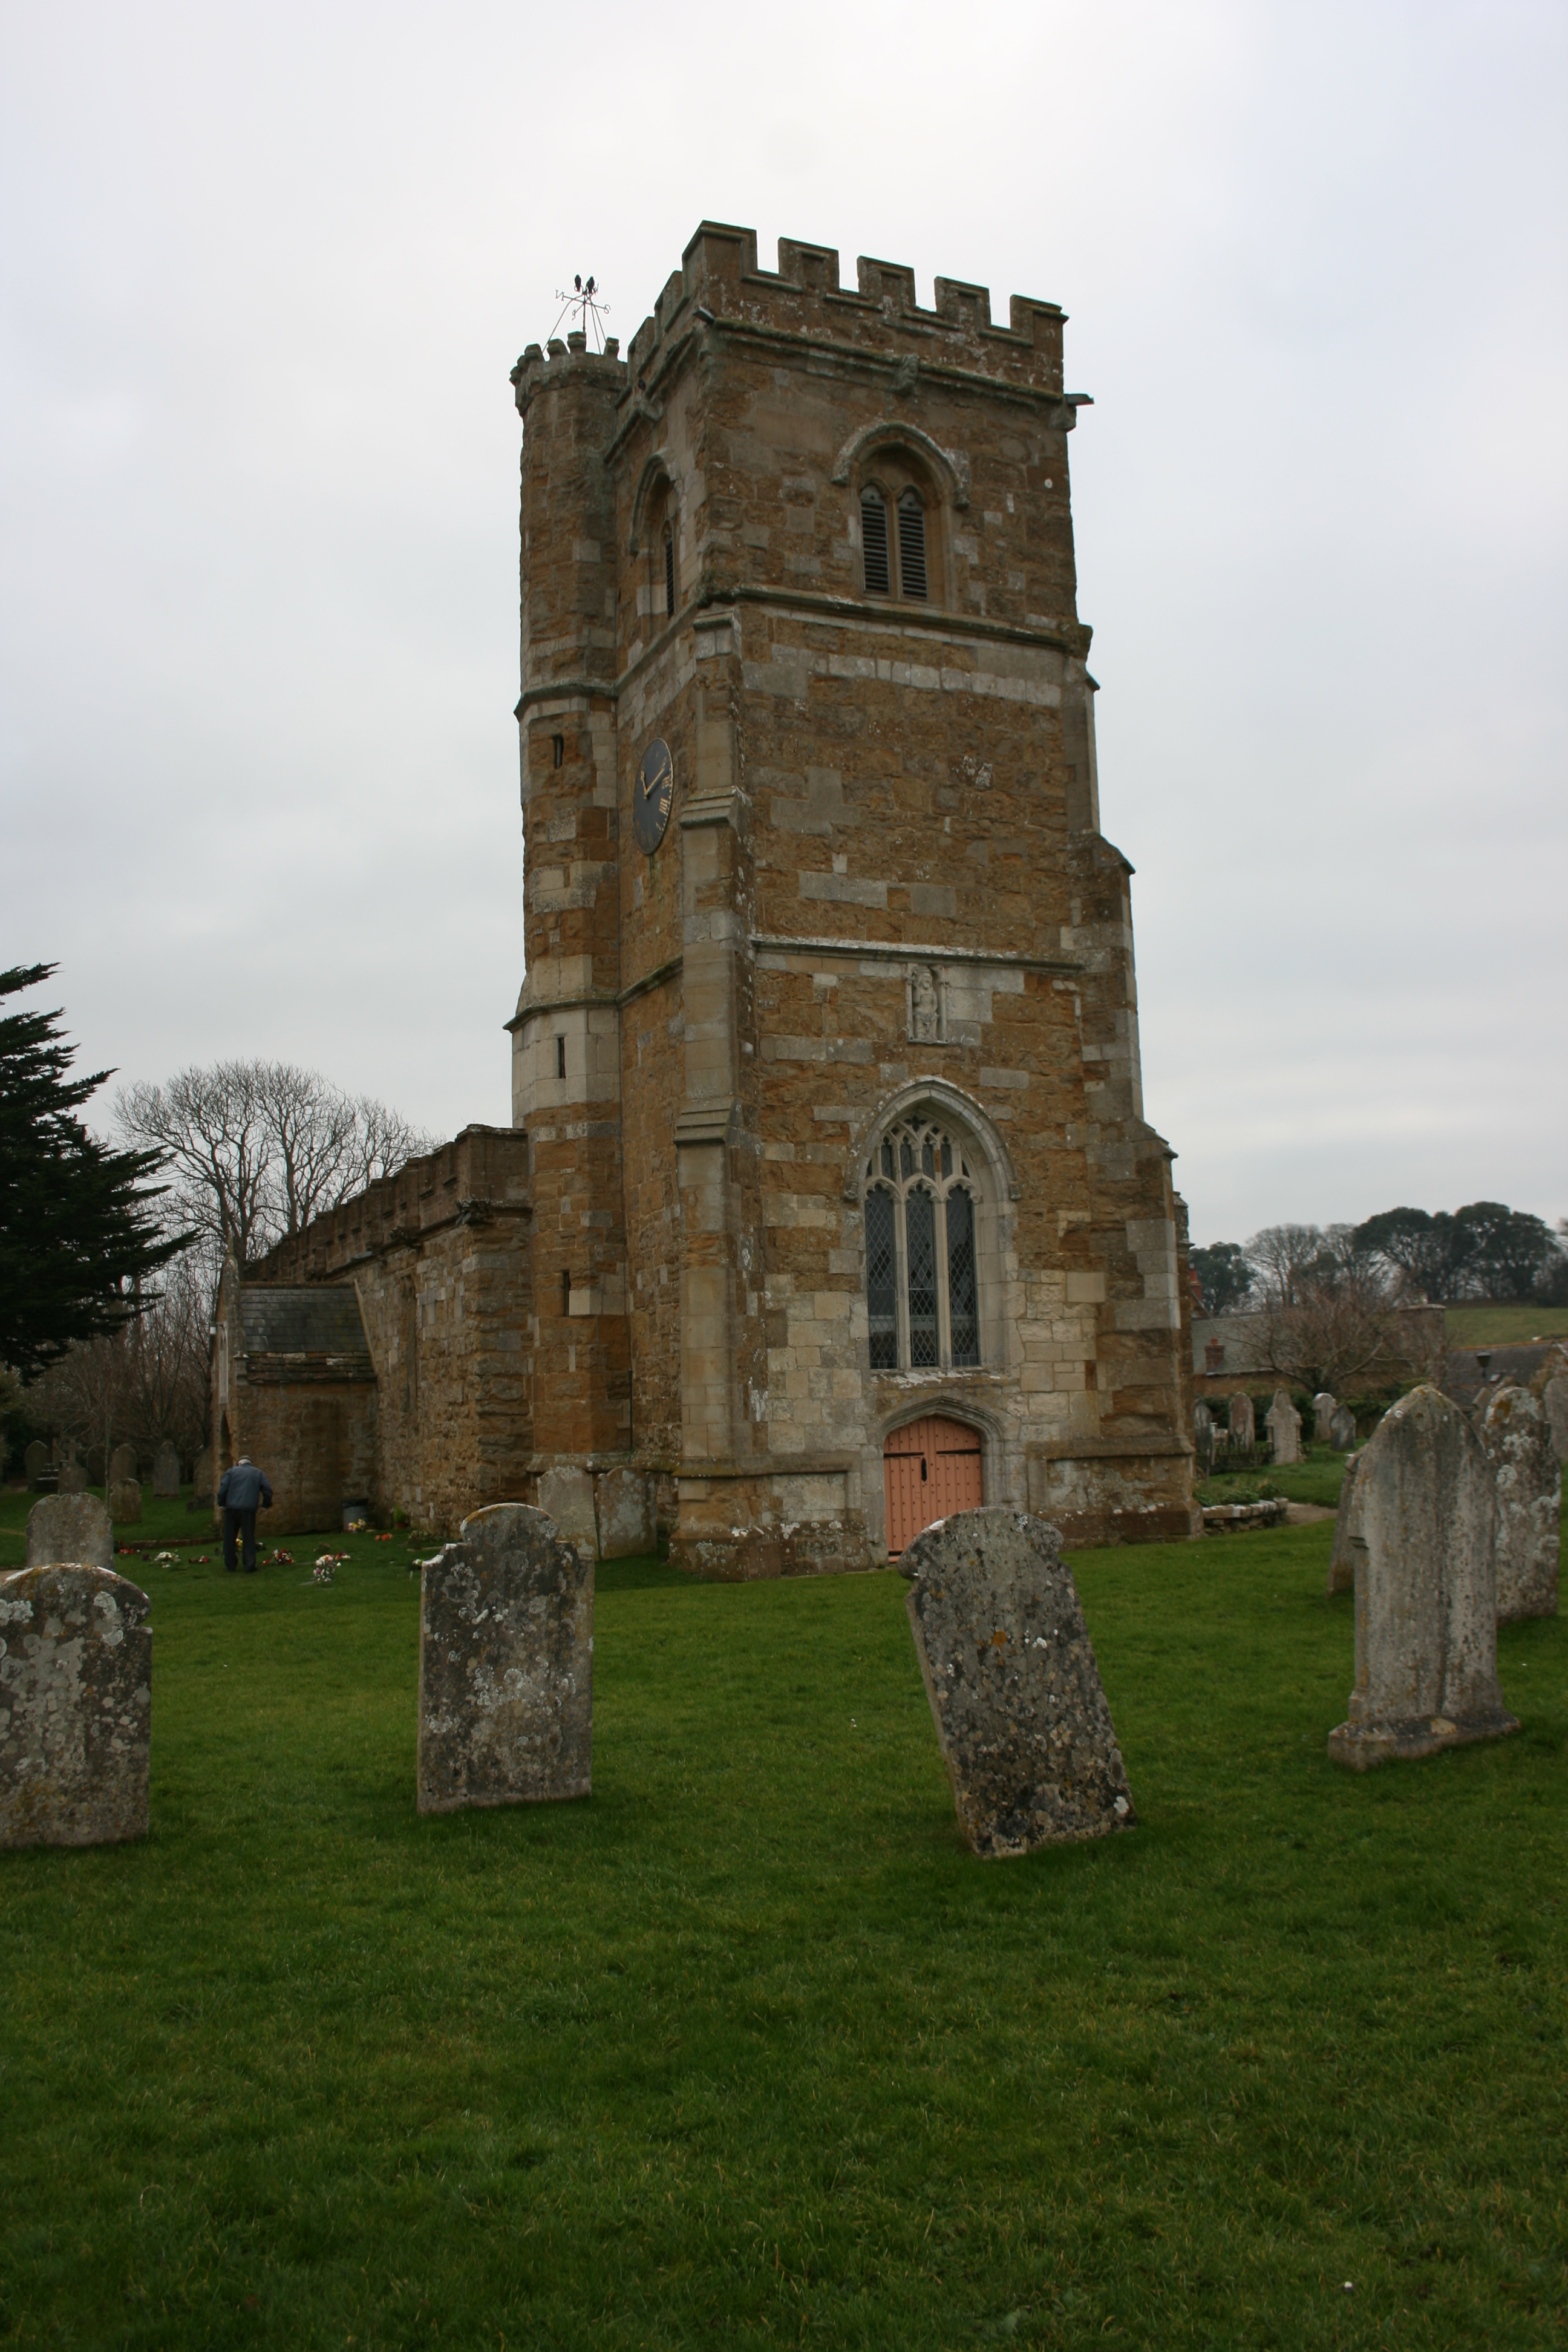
(585, 300)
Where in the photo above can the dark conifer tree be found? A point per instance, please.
(78, 1228)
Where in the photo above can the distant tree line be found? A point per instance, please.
(1325, 1295)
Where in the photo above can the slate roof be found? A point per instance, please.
(315, 1319)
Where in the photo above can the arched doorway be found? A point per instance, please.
(929, 1469)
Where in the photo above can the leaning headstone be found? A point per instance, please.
(69, 1527)
(1015, 1692)
(35, 1461)
(1242, 1428)
(166, 1471)
(505, 1666)
(1528, 1528)
(76, 1677)
(1341, 1429)
(1283, 1426)
(1426, 1601)
(1203, 1434)
(1341, 1561)
(1322, 1414)
(566, 1496)
(71, 1478)
(125, 1501)
(623, 1506)
(123, 1465)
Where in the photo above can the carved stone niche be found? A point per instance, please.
(926, 1007)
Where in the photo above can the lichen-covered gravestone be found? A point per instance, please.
(76, 1707)
(1284, 1425)
(1341, 1559)
(1341, 1429)
(74, 1527)
(1426, 1601)
(505, 1666)
(1010, 1673)
(566, 1496)
(1527, 1532)
(166, 1471)
(1243, 1429)
(1322, 1414)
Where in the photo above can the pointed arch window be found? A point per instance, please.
(923, 1196)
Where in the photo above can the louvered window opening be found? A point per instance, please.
(668, 570)
(912, 546)
(922, 1286)
(874, 544)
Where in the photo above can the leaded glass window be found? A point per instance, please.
(922, 1276)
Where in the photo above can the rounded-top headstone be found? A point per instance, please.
(1014, 1691)
(35, 1461)
(1323, 1405)
(69, 1527)
(1243, 1426)
(122, 1464)
(76, 1664)
(1341, 1429)
(166, 1471)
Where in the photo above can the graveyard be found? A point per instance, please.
(749, 2043)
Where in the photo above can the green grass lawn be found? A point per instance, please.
(1503, 1326)
(748, 2048)
(1316, 1479)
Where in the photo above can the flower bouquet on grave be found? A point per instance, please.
(327, 1566)
(279, 1558)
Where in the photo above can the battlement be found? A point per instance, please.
(537, 369)
(720, 283)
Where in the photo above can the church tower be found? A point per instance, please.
(844, 1209)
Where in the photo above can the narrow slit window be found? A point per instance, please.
(668, 570)
(558, 750)
(912, 546)
(560, 1057)
(874, 544)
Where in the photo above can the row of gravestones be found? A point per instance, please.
(506, 1678)
(1334, 1425)
(505, 1646)
(74, 1477)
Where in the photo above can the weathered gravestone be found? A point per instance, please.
(71, 1478)
(1341, 1429)
(1322, 1414)
(1203, 1434)
(125, 1500)
(166, 1471)
(566, 1496)
(69, 1527)
(35, 1461)
(202, 1482)
(1551, 1385)
(1242, 1428)
(1009, 1670)
(122, 1465)
(1527, 1530)
(1341, 1561)
(76, 1707)
(1283, 1423)
(505, 1666)
(1426, 1601)
(623, 1504)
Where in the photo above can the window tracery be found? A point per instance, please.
(923, 1200)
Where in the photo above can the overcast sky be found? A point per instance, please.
(264, 273)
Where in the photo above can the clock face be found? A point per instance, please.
(652, 796)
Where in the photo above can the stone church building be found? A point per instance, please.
(828, 1204)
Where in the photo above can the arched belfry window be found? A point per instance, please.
(924, 1199)
(874, 542)
(901, 529)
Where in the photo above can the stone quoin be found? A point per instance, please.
(826, 1104)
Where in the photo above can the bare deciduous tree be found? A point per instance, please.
(258, 1149)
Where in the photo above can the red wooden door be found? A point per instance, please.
(929, 1469)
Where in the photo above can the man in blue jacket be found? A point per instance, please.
(240, 1491)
